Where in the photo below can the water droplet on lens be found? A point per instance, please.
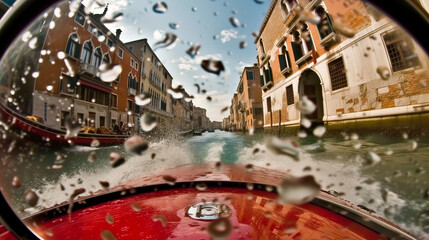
(142, 99)
(259, 1)
(91, 157)
(72, 127)
(35, 74)
(412, 145)
(26, 36)
(193, 51)
(61, 55)
(249, 186)
(16, 182)
(383, 72)
(372, 159)
(297, 190)
(220, 228)
(305, 122)
(302, 134)
(31, 198)
(319, 131)
(177, 92)
(95, 143)
(109, 72)
(305, 105)
(113, 17)
(285, 147)
(194, 9)
(311, 17)
(174, 26)
(136, 207)
(341, 28)
(116, 159)
(109, 219)
(107, 235)
(105, 185)
(201, 186)
(212, 66)
(243, 44)
(170, 40)
(49, 87)
(148, 122)
(169, 180)
(234, 21)
(136, 144)
(160, 218)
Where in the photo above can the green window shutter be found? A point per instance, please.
(282, 60)
(297, 51)
(68, 47)
(76, 53)
(261, 78)
(267, 75)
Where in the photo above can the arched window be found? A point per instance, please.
(73, 46)
(297, 45)
(106, 58)
(325, 25)
(96, 61)
(86, 53)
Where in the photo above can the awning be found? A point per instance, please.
(96, 86)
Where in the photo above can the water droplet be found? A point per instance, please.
(193, 51)
(220, 228)
(107, 235)
(61, 55)
(372, 159)
(153, 155)
(142, 99)
(57, 12)
(72, 127)
(357, 145)
(302, 134)
(344, 30)
(109, 219)
(311, 17)
(283, 146)
(52, 25)
(194, 9)
(91, 157)
(354, 136)
(16, 182)
(412, 145)
(212, 66)
(174, 26)
(405, 135)
(116, 159)
(388, 152)
(234, 21)
(136, 144)
(49, 232)
(383, 72)
(161, 219)
(259, 1)
(297, 190)
(201, 186)
(26, 36)
(105, 185)
(35, 74)
(136, 207)
(49, 87)
(243, 44)
(290, 229)
(31, 198)
(113, 17)
(62, 188)
(148, 122)
(101, 38)
(305, 122)
(305, 105)
(170, 40)
(319, 131)
(33, 43)
(209, 98)
(109, 72)
(169, 180)
(249, 186)
(177, 92)
(95, 143)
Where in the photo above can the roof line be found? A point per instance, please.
(264, 23)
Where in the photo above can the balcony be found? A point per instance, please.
(132, 91)
(88, 68)
(329, 40)
(267, 85)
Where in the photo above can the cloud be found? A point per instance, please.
(240, 66)
(187, 67)
(215, 106)
(201, 77)
(228, 34)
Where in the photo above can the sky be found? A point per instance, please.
(204, 22)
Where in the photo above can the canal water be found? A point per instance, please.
(396, 188)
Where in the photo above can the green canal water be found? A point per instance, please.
(396, 188)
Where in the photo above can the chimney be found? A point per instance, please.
(118, 33)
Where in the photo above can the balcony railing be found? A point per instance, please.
(88, 68)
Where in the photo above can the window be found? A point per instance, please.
(325, 25)
(286, 6)
(120, 52)
(163, 105)
(269, 104)
(79, 18)
(337, 73)
(64, 115)
(144, 48)
(110, 43)
(302, 42)
(113, 100)
(93, 30)
(96, 61)
(132, 62)
(130, 105)
(257, 111)
(284, 60)
(289, 95)
(131, 48)
(298, 51)
(401, 51)
(86, 53)
(80, 117)
(73, 46)
(249, 75)
(106, 58)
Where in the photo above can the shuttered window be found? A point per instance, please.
(337, 73)
(289, 95)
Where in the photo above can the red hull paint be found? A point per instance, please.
(249, 219)
(37, 130)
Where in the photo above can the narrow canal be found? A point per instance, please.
(338, 164)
